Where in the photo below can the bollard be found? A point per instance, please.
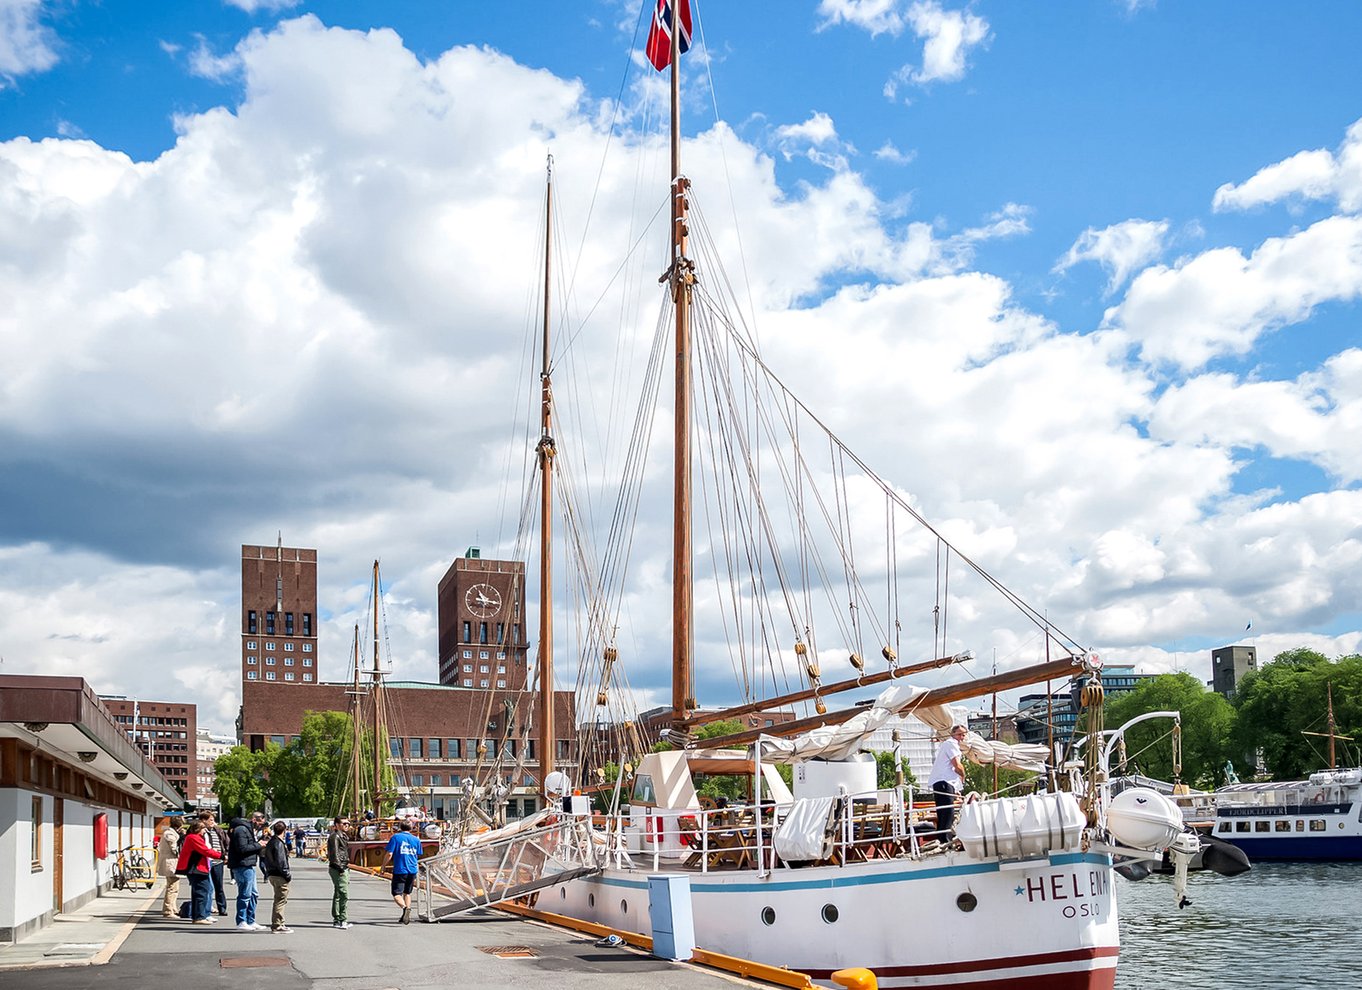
(855, 979)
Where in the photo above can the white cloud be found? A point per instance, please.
(255, 6)
(1313, 175)
(889, 152)
(1220, 302)
(26, 44)
(204, 62)
(1121, 249)
(948, 36)
(875, 16)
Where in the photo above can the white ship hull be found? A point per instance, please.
(1051, 924)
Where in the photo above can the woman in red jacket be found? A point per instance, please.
(194, 856)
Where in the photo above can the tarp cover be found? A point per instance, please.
(800, 836)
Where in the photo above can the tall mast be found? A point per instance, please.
(681, 276)
(547, 742)
(358, 750)
(378, 709)
(1329, 687)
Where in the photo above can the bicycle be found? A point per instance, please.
(132, 868)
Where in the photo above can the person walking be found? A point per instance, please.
(274, 861)
(300, 841)
(217, 841)
(168, 858)
(403, 851)
(338, 866)
(243, 852)
(195, 855)
(948, 779)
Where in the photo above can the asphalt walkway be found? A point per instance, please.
(124, 934)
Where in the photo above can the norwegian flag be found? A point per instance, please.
(659, 48)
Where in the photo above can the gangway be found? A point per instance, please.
(486, 869)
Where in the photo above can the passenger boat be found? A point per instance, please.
(1315, 819)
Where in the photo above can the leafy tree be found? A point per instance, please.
(1207, 724)
(885, 777)
(1011, 783)
(1289, 697)
(242, 779)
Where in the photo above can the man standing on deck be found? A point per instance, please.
(403, 850)
(338, 865)
(948, 780)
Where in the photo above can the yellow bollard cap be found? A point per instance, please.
(856, 979)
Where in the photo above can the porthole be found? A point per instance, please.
(624, 907)
(562, 893)
(590, 900)
(967, 902)
(830, 913)
(768, 916)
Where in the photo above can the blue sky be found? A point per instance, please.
(1152, 209)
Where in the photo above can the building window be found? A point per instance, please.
(307, 677)
(501, 632)
(482, 668)
(288, 647)
(288, 675)
(415, 745)
(251, 661)
(563, 751)
(433, 749)
(501, 654)
(288, 623)
(307, 647)
(501, 684)
(252, 622)
(269, 623)
(395, 747)
(482, 684)
(491, 748)
(307, 661)
(483, 654)
(501, 668)
(250, 644)
(269, 661)
(288, 661)
(269, 675)
(279, 740)
(482, 632)
(452, 749)
(435, 780)
(468, 654)
(418, 780)
(467, 631)
(36, 851)
(467, 683)
(269, 647)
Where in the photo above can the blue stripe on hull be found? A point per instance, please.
(1305, 847)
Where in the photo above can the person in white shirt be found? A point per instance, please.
(948, 778)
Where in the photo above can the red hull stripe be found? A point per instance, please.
(982, 966)
(1093, 979)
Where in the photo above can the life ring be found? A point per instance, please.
(1317, 797)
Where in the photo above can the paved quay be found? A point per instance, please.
(121, 942)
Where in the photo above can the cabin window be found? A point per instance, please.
(1282, 825)
(768, 916)
(1317, 825)
(1226, 827)
(643, 789)
(1262, 826)
(1241, 826)
(1300, 824)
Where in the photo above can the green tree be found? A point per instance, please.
(885, 777)
(1207, 726)
(242, 779)
(1283, 703)
(1011, 783)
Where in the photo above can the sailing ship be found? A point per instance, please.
(820, 868)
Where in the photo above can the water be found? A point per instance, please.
(1282, 925)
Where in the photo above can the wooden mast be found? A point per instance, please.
(379, 742)
(547, 740)
(681, 275)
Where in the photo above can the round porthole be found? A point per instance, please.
(624, 907)
(768, 916)
(830, 913)
(590, 900)
(967, 902)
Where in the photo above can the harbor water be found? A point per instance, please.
(1282, 925)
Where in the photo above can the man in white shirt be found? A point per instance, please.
(948, 779)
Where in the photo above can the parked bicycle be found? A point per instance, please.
(131, 868)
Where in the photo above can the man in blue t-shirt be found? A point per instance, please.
(403, 850)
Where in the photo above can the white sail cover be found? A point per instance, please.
(837, 742)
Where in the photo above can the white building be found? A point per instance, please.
(209, 745)
(73, 792)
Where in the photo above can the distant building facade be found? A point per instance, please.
(1229, 665)
(481, 623)
(279, 615)
(208, 747)
(1063, 708)
(166, 731)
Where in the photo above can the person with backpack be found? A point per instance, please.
(274, 862)
(195, 854)
(243, 851)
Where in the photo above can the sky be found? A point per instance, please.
(1082, 278)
